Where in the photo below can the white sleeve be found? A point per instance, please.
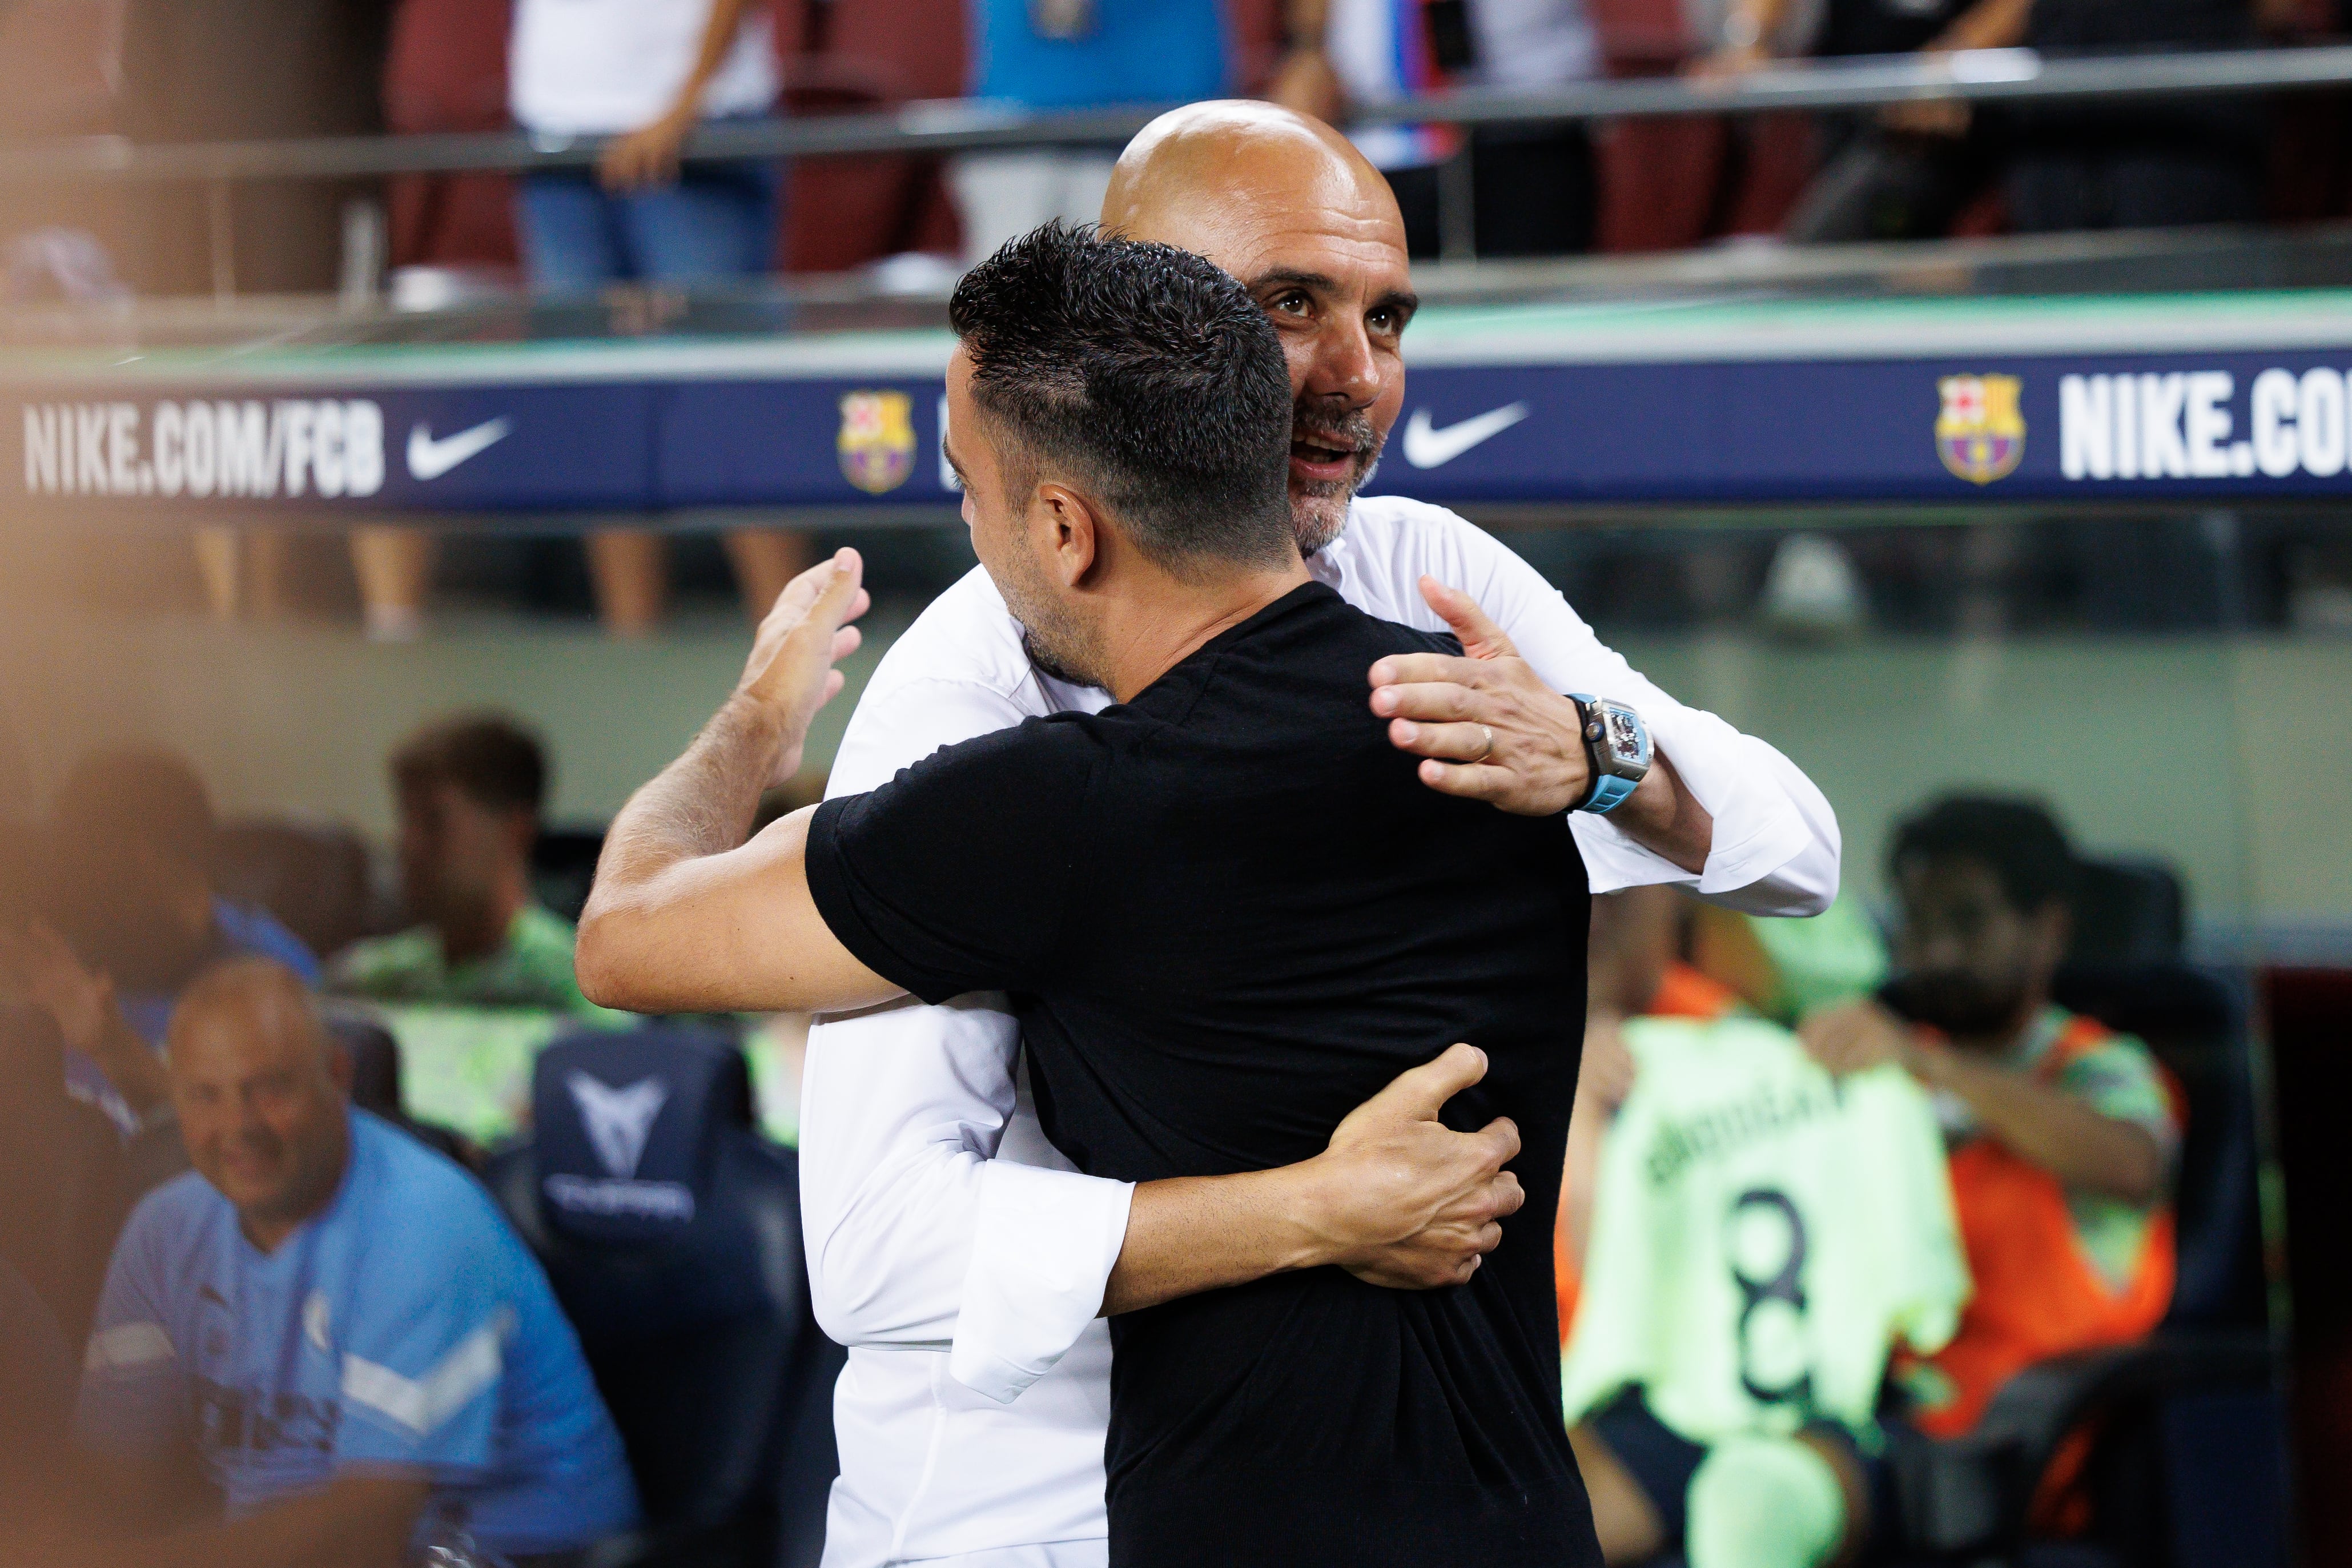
(917, 1236)
(1776, 839)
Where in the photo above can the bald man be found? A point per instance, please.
(959, 1255)
(331, 1325)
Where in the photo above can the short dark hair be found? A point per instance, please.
(493, 761)
(135, 796)
(2016, 838)
(1150, 374)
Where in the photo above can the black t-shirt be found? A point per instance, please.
(1228, 912)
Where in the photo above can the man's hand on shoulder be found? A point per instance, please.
(1404, 1201)
(1488, 725)
(1490, 729)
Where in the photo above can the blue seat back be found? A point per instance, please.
(671, 1232)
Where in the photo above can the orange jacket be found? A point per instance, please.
(2037, 1295)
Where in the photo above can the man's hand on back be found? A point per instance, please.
(1410, 1203)
(1491, 730)
(1398, 1199)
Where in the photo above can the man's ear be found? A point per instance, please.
(340, 1067)
(1072, 533)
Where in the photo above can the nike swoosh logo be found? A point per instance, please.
(429, 459)
(1425, 446)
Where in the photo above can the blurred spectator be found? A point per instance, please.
(1075, 54)
(137, 916)
(1531, 189)
(333, 1323)
(1909, 169)
(2062, 1133)
(645, 73)
(469, 792)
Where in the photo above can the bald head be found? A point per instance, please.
(1211, 175)
(1287, 204)
(259, 1087)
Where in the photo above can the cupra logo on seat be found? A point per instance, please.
(619, 1119)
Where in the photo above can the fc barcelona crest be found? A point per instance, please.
(877, 440)
(1979, 433)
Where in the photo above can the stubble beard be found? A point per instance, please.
(1318, 508)
(1059, 645)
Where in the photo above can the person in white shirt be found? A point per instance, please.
(1531, 189)
(960, 1258)
(645, 74)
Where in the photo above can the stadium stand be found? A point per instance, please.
(446, 69)
(671, 1231)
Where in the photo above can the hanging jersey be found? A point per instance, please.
(2055, 1272)
(1684, 992)
(1763, 1236)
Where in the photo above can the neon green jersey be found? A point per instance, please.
(1762, 1235)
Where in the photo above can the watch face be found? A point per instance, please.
(1624, 737)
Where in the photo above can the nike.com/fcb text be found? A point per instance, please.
(328, 447)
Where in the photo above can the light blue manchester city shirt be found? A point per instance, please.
(406, 1327)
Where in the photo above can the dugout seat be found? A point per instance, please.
(376, 1088)
(564, 868)
(315, 879)
(671, 1232)
(2184, 1458)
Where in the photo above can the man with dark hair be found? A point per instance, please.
(131, 890)
(2062, 1132)
(1203, 989)
(470, 790)
(952, 1247)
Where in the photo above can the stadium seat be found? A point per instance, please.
(315, 879)
(564, 867)
(62, 1188)
(376, 1088)
(2126, 912)
(842, 213)
(446, 69)
(672, 1234)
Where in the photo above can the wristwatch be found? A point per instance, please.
(1617, 745)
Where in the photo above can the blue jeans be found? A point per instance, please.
(716, 221)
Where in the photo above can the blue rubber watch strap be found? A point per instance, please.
(1609, 791)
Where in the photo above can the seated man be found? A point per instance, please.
(470, 791)
(2062, 1132)
(1203, 988)
(330, 1324)
(130, 889)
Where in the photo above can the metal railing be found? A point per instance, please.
(971, 125)
(944, 126)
